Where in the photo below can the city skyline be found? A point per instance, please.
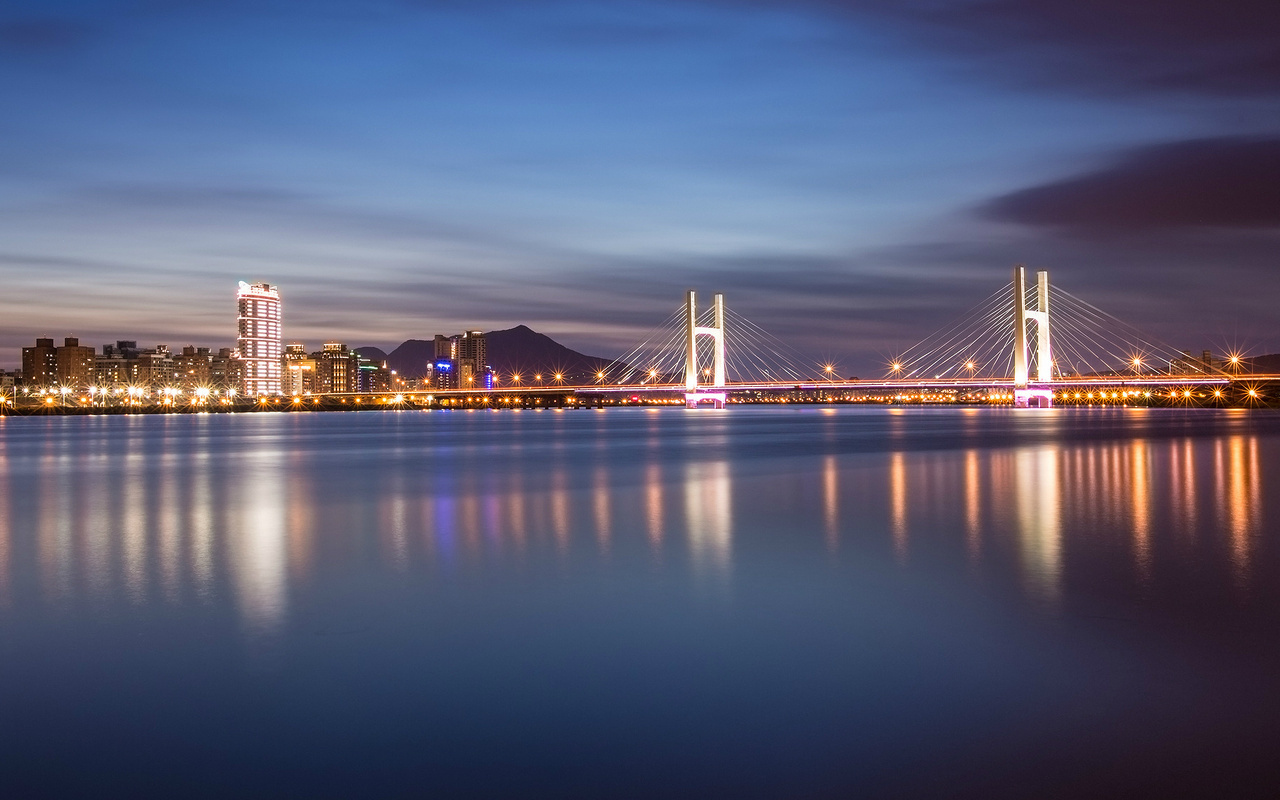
(848, 174)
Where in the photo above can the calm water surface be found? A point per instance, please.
(759, 602)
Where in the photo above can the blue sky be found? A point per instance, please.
(850, 175)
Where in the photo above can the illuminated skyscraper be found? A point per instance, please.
(259, 337)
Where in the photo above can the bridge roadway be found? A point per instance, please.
(875, 384)
(1138, 381)
(871, 385)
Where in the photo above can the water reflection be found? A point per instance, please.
(830, 502)
(600, 506)
(53, 539)
(6, 543)
(1140, 467)
(708, 504)
(201, 526)
(1096, 498)
(898, 504)
(258, 550)
(560, 508)
(1039, 522)
(653, 505)
(1239, 499)
(141, 517)
(972, 505)
(1182, 479)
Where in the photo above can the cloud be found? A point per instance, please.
(1222, 183)
(1218, 47)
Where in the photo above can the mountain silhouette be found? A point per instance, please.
(519, 350)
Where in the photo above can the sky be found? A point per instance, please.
(852, 175)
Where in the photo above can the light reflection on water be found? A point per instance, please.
(1039, 522)
(149, 523)
(708, 500)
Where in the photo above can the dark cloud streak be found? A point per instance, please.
(1204, 183)
(1215, 47)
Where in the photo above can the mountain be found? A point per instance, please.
(411, 358)
(518, 350)
(374, 354)
(527, 352)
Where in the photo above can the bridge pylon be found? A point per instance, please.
(1024, 394)
(692, 396)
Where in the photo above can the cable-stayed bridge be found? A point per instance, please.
(1027, 343)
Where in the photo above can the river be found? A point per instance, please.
(764, 601)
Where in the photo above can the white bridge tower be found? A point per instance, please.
(691, 394)
(1027, 393)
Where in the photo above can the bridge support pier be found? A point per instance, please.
(692, 399)
(1032, 398)
(692, 396)
(1023, 395)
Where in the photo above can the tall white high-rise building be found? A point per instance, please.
(259, 340)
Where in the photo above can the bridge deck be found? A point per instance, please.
(940, 384)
